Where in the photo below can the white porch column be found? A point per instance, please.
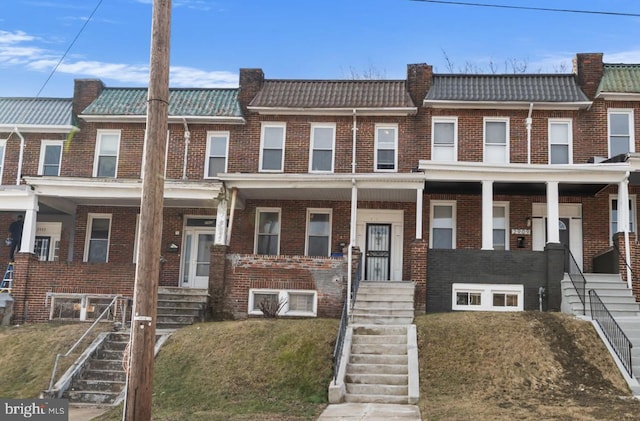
(352, 243)
(553, 213)
(419, 194)
(623, 222)
(487, 215)
(28, 243)
(221, 223)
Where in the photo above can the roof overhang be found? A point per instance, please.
(384, 187)
(17, 198)
(373, 111)
(506, 105)
(93, 118)
(64, 193)
(619, 96)
(38, 128)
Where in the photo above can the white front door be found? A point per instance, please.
(196, 256)
(379, 236)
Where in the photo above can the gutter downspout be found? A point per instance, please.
(20, 159)
(529, 122)
(234, 195)
(187, 137)
(354, 208)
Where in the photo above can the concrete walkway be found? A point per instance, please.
(86, 412)
(370, 412)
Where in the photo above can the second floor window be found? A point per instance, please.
(322, 143)
(621, 139)
(106, 159)
(386, 156)
(217, 151)
(272, 147)
(496, 140)
(50, 157)
(445, 135)
(560, 142)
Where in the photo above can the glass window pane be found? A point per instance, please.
(273, 137)
(300, 302)
(272, 159)
(318, 246)
(559, 154)
(97, 251)
(268, 222)
(496, 154)
(475, 299)
(268, 244)
(52, 154)
(619, 123)
(321, 160)
(100, 228)
(323, 137)
(619, 145)
(106, 166)
(443, 153)
(216, 166)
(269, 299)
(386, 159)
(442, 238)
(462, 298)
(443, 216)
(319, 224)
(559, 133)
(218, 145)
(498, 300)
(386, 137)
(496, 132)
(108, 144)
(51, 170)
(512, 300)
(499, 239)
(443, 133)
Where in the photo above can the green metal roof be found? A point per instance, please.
(621, 78)
(182, 102)
(36, 111)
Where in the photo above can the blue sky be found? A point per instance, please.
(321, 39)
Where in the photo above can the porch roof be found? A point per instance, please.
(383, 187)
(46, 115)
(63, 194)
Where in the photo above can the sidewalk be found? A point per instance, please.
(86, 412)
(370, 412)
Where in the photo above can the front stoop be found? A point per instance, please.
(610, 288)
(381, 356)
(180, 307)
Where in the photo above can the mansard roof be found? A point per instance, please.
(620, 78)
(36, 112)
(505, 88)
(333, 94)
(204, 102)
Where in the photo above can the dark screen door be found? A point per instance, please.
(378, 252)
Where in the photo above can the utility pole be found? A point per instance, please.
(143, 324)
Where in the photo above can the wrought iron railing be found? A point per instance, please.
(344, 321)
(624, 259)
(577, 278)
(107, 311)
(612, 331)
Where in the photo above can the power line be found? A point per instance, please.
(540, 9)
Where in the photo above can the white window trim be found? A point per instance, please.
(43, 148)
(569, 122)
(632, 217)
(632, 141)
(395, 147)
(211, 134)
(284, 138)
(487, 291)
(306, 237)
(3, 144)
(312, 148)
(99, 134)
(453, 120)
(283, 295)
(257, 227)
(505, 205)
(90, 218)
(484, 137)
(432, 205)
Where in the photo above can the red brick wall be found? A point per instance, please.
(634, 250)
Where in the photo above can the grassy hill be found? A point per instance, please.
(473, 366)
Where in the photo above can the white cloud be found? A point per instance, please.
(631, 56)
(187, 76)
(14, 37)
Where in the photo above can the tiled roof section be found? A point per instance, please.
(333, 94)
(36, 111)
(182, 102)
(622, 78)
(507, 88)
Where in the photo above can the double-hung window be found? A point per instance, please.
(500, 226)
(217, 151)
(105, 163)
(272, 147)
(3, 144)
(50, 157)
(322, 146)
(96, 249)
(560, 141)
(613, 214)
(267, 231)
(318, 232)
(443, 226)
(621, 138)
(386, 149)
(444, 134)
(496, 140)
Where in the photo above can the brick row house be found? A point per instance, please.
(287, 191)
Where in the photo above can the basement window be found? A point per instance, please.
(487, 297)
(285, 302)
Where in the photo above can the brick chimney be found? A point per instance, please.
(588, 69)
(419, 79)
(85, 91)
(251, 81)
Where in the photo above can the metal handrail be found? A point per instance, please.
(612, 331)
(577, 279)
(344, 321)
(624, 259)
(75, 345)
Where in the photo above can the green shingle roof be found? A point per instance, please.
(182, 102)
(36, 111)
(622, 78)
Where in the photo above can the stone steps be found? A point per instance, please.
(614, 293)
(180, 307)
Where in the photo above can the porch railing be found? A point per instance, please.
(577, 278)
(624, 259)
(344, 321)
(612, 331)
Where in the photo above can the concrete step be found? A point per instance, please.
(99, 364)
(185, 298)
(617, 298)
(605, 285)
(180, 305)
(377, 389)
(387, 305)
(89, 396)
(183, 319)
(379, 330)
(378, 359)
(119, 337)
(602, 277)
(99, 385)
(110, 375)
(379, 339)
(392, 399)
(377, 379)
(387, 284)
(109, 354)
(381, 295)
(379, 349)
(377, 368)
(382, 320)
(394, 312)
